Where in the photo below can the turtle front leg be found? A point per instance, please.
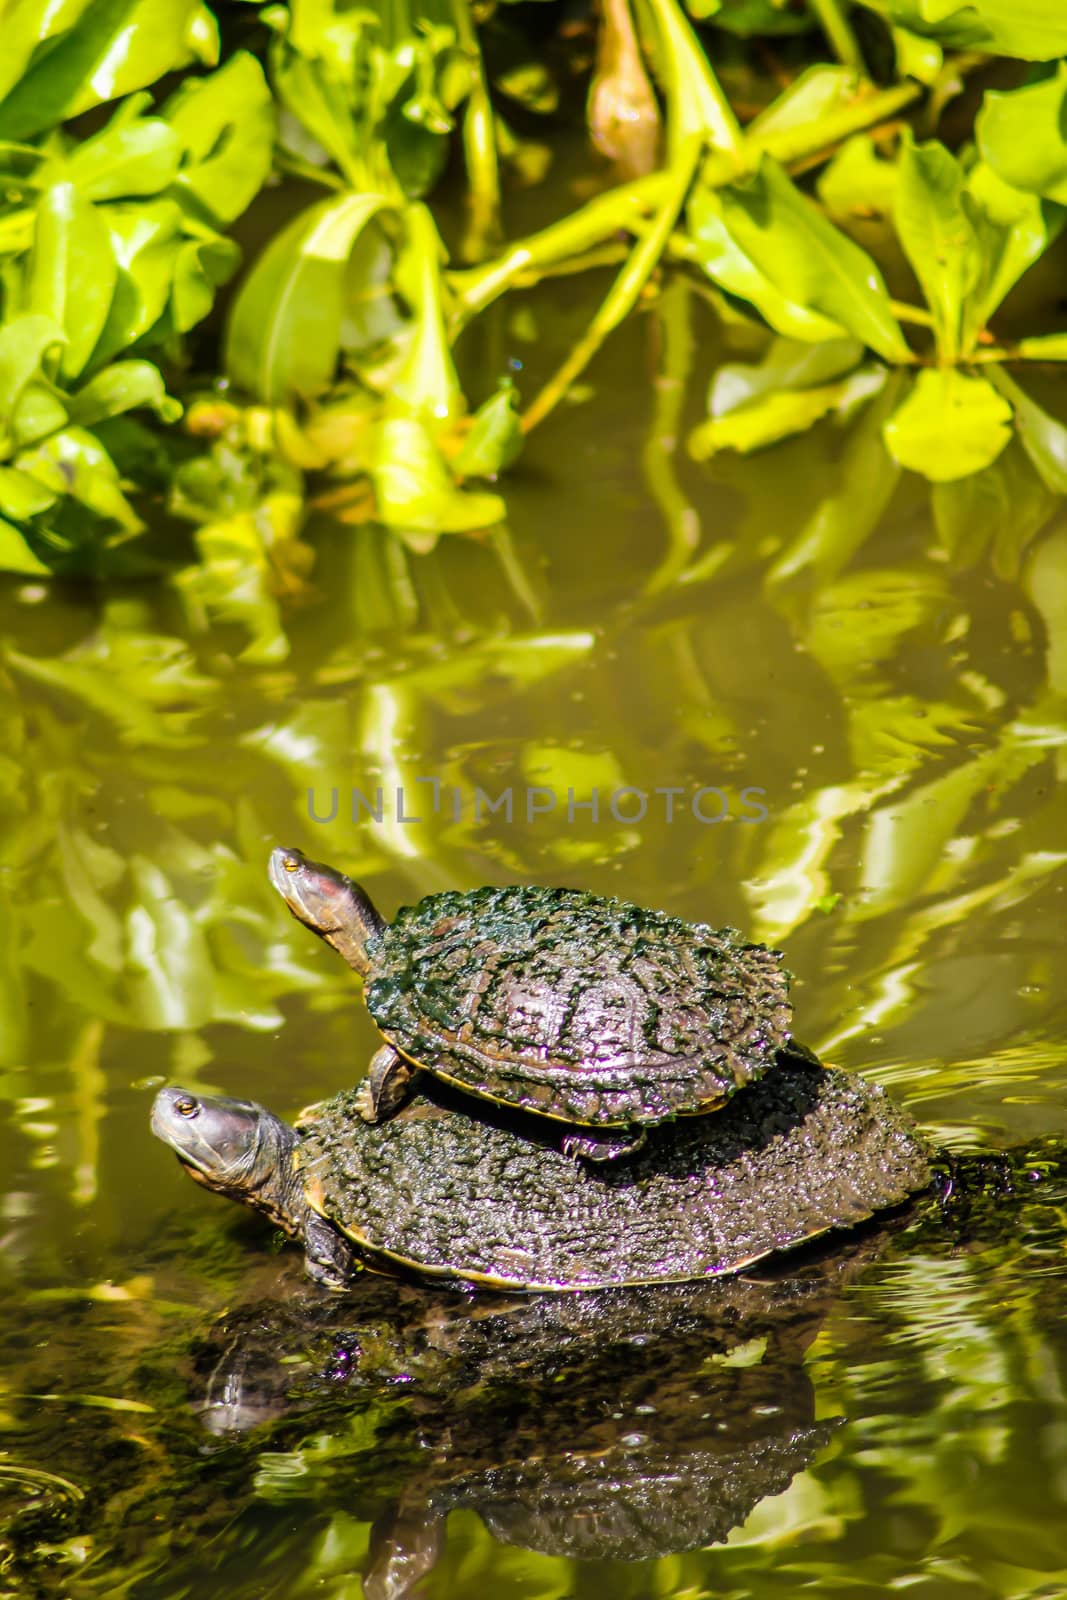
(609, 1148)
(328, 1257)
(385, 1088)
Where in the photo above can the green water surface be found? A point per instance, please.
(178, 1417)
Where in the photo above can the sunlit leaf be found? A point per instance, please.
(15, 553)
(494, 440)
(1013, 230)
(112, 48)
(857, 182)
(949, 425)
(226, 124)
(1022, 134)
(127, 158)
(285, 326)
(426, 380)
(145, 242)
(1035, 31)
(120, 387)
(809, 260)
(74, 462)
(724, 261)
(25, 342)
(71, 272)
(936, 232)
(200, 266)
(818, 91)
(413, 488)
(917, 57)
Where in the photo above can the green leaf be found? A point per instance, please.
(110, 49)
(857, 182)
(949, 425)
(25, 342)
(285, 327)
(318, 101)
(200, 266)
(495, 437)
(818, 91)
(22, 497)
(25, 27)
(72, 272)
(75, 463)
(15, 553)
(728, 265)
(126, 158)
(936, 234)
(808, 260)
(122, 386)
(414, 490)
(426, 381)
(38, 413)
(1013, 230)
(781, 413)
(917, 57)
(145, 242)
(1044, 439)
(226, 124)
(1022, 134)
(1033, 30)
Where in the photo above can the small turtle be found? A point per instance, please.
(587, 1010)
(493, 1202)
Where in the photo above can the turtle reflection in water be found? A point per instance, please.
(493, 1201)
(612, 1425)
(586, 1010)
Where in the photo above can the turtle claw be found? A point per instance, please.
(588, 1148)
(385, 1088)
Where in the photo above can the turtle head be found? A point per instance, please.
(331, 905)
(235, 1147)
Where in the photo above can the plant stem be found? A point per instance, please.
(479, 142)
(694, 95)
(625, 208)
(835, 25)
(623, 294)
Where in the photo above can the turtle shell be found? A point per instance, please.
(590, 1010)
(806, 1150)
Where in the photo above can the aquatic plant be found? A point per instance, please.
(327, 372)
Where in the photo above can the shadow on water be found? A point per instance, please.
(716, 640)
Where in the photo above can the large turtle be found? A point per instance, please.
(591, 1011)
(496, 1201)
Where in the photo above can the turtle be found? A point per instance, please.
(580, 1008)
(497, 1201)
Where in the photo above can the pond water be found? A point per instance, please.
(848, 734)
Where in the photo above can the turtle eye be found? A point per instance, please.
(187, 1106)
(291, 864)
